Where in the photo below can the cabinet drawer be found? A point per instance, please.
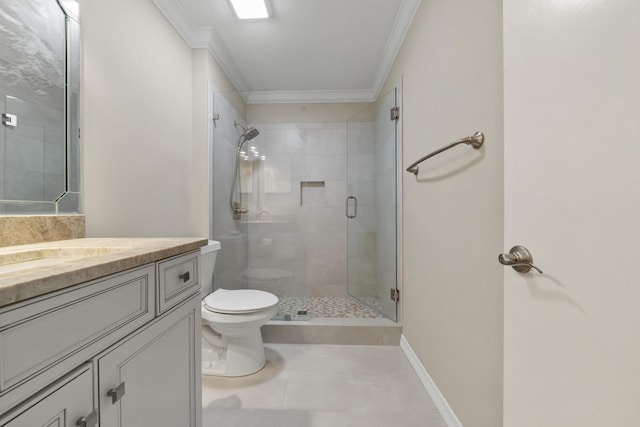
(62, 404)
(43, 339)
(177, 280)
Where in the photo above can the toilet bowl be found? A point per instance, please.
(231, 321)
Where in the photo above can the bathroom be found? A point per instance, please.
(547, 82)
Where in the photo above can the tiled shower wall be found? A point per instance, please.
(362, 236)
(294, 185)
(297, 223)
(372, 178)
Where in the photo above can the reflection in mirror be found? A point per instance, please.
(39, 92)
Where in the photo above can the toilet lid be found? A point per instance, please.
(239, 301)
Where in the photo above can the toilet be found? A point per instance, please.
(231, 321)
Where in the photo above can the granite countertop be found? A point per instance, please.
(100, 257)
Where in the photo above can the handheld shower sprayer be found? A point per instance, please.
(248, 133)
(235, 199)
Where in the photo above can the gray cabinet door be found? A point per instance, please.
(153, 379)
(62, 404)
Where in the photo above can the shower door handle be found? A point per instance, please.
(355, 207)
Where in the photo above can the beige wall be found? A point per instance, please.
(451, 68)
(200, 148)
(145, 135)
(137, 121)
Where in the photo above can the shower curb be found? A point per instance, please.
(333, 331)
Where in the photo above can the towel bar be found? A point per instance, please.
(476, 140)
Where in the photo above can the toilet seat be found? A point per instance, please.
(239, 301)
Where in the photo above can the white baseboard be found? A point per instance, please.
(445, 410)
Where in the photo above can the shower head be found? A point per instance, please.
(251, 133)
(248, 133)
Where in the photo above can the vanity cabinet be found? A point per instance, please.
(103, 353)
(151, 378)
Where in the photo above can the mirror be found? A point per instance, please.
(39, 100)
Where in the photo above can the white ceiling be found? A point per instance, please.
(310, 51)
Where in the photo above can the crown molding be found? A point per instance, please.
(309, 96)
(219, 51)
(401, 25)
(207, 37)
(196, 37)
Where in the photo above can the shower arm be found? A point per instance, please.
(237, 123)
(476, 140)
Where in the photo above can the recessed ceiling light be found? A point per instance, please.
(250, 9)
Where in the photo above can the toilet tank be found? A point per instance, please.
(206, 265)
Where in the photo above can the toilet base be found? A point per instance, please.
(229, 356)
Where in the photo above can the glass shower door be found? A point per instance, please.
(370, 206)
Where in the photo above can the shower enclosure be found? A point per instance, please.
(315, 220)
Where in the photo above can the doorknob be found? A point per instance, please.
(519, 258)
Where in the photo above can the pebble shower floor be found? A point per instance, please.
(303, 308)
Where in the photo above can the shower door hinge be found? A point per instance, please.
(395, 294)
(9, 120)
(395, 113)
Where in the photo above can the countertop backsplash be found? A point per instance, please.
(27, 229)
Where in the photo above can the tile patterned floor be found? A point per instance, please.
(322, 386)
(325, 307)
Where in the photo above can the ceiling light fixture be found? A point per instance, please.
(250, 9)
